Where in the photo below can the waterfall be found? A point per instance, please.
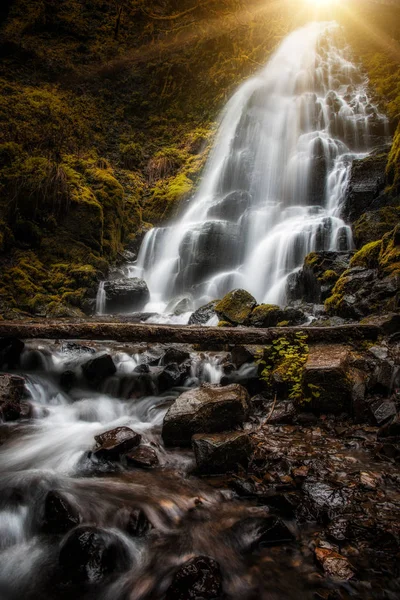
(275, 181)
(101, 299)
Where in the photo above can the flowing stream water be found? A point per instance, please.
(275, 181)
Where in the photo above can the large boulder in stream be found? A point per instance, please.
(90, 554)
(218, 453)
(208, 409)
(271, 315)
(111, 444)
(198, 578)
(60, 513)
(12, 392)
(202, 315)
(236, 307)
(126, 295)
(99, 368)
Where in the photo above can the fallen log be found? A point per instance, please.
(181, 334)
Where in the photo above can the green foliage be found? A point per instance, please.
(283, 362)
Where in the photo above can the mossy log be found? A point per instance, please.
(125, 331)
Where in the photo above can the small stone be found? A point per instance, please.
(99, 368)
(175, 355)
(111, 444)
(169, 377)
(334, 565)
(142, 457)
(138, 524)
(384, 412)
(370, 480)
(60, 514)
(198, 578)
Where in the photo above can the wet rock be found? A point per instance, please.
(113, 443)
(325, 379)
(231, 207)
(74, 348)
(180, 305)
(325, 501)
(315, 281)
(12, 392)
(270, 315)
(338, 530)
(218, 453)
(126, 295)
(142, 369)
(198, 578)
(367, 180)
(142, 457)
(334, 565)
(284, 413)
(67, 380)
(384, 411)
(11, 349)
(236, 307)
(247, 376)
(89, 555)
(169, 377)
(60, 514)
(390, 429)
(175, 355)
(260, 532)
(202, 315)
(138, 524)
(208, 409)
(244, 354)
(99, 368)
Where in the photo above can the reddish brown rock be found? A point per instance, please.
(111, 444)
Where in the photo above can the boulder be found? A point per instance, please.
(67, 380)
(126, 295)
(12, 392)
(244, 354)
(373, 225)
(231, 207)
(169, 377)
(60, 513)
(325, 379)
(198, 578)
(236, 307)
(208, 409)
(260, 531)
(218, 453)
(176, 355)
(143, 457)
(90, 554)
(202, 315)
(11, 349)
(99, 368)
(270, 315)
(113, 443)
(138, 524)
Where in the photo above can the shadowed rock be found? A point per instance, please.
(198, 578)
(143, 457)
(99, 368)
(126, 295)
(12, 392)
(219, 453)
(60, 515)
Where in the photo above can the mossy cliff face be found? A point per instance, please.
(106, 119)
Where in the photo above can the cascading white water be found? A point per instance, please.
(101, 299)
(275, 181)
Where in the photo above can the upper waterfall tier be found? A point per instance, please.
(275, 181)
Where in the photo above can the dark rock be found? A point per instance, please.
(334, 565)
(367, 180)
(169, 377)
(285, 504)
(247, 376)
(11, 349)
(260, 532)
(231, 207)
(12, 392)
(142, 369)
(60, 514)
(126, 295)
(218, 453)
(325, 379)
(138, 524)
(270, 315)
(74, 348)
(390, 429)
(384, 411)
(202, 315)
(197, 579)
(142, 457)
(236, 307)
(284, 413)
(113, 443)
(338, 530)
(324, 500)
(207, 409)
(89, 555)
(175, 355)
(244, 354)
(67, 380)
(99, 368)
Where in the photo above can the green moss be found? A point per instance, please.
(235, 307)
(374, 225)
(368, 256)
(329, 276)
(389, 257)
(225, 324)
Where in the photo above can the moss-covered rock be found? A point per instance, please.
(389, 257)
(373, 225)
(368, 256)
(270, 315)
(236, 307)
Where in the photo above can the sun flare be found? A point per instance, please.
(322, 3)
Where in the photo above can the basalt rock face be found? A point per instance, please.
(315, 281)
(367, 181)
(231, 207)
(126, 295)
(208, 409)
